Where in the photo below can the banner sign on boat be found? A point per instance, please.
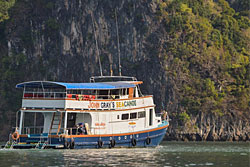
(112, 105)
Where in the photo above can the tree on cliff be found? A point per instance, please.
(209, 53)
(4, 7)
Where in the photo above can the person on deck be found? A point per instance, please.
(81, 129)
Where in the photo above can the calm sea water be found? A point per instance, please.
(168, 154)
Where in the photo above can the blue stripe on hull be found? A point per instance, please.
(122, 141)
(92, 142)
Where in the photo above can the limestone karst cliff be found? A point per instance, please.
(193, 56)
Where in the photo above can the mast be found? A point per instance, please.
(118, 45)
(98, 53)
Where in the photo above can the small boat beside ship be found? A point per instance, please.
(107, 112)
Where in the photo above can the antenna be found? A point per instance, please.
(111, 64)
(98, 53)
(118, 45)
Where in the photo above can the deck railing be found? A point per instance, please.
(46, 95)
(30, 129)
(34, 130)
(64, 95)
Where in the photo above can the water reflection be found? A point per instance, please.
(114, 157)
(169, 154)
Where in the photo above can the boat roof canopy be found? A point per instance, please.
(73, 86)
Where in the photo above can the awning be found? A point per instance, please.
(86, 86)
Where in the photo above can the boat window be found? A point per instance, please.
(114, 94)
(124, 116)
(118, 116)
(133, 115)
(141, 114)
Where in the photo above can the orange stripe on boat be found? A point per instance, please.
(106, 135)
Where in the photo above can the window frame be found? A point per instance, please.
(126, 118)
(133, 113)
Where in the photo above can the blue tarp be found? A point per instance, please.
(88, 86)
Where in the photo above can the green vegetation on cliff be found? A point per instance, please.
(210, 45)
(4, 7)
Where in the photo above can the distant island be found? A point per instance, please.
(192, 55)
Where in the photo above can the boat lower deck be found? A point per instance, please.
(150, 138)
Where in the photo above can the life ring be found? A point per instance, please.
(15, 135)
(86, 97)
(148, 140)
(112, 143)
(133, 141)
(100, 143)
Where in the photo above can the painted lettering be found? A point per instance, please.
(94, 105)
(100, 124)
(108, 105)
(126, 104)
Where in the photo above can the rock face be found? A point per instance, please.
(57, 39)
(210, 128)
(64, 32)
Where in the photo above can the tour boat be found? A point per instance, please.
(107, 112)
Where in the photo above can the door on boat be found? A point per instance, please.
(75, 119)
(71, 122)
(150, 117)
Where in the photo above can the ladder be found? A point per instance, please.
(56, 122)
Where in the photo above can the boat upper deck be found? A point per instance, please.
(78, 91)
(38, 94)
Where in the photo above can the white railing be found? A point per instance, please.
(48, 95)
(81, 97)
(63, 95)
(30, 130)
